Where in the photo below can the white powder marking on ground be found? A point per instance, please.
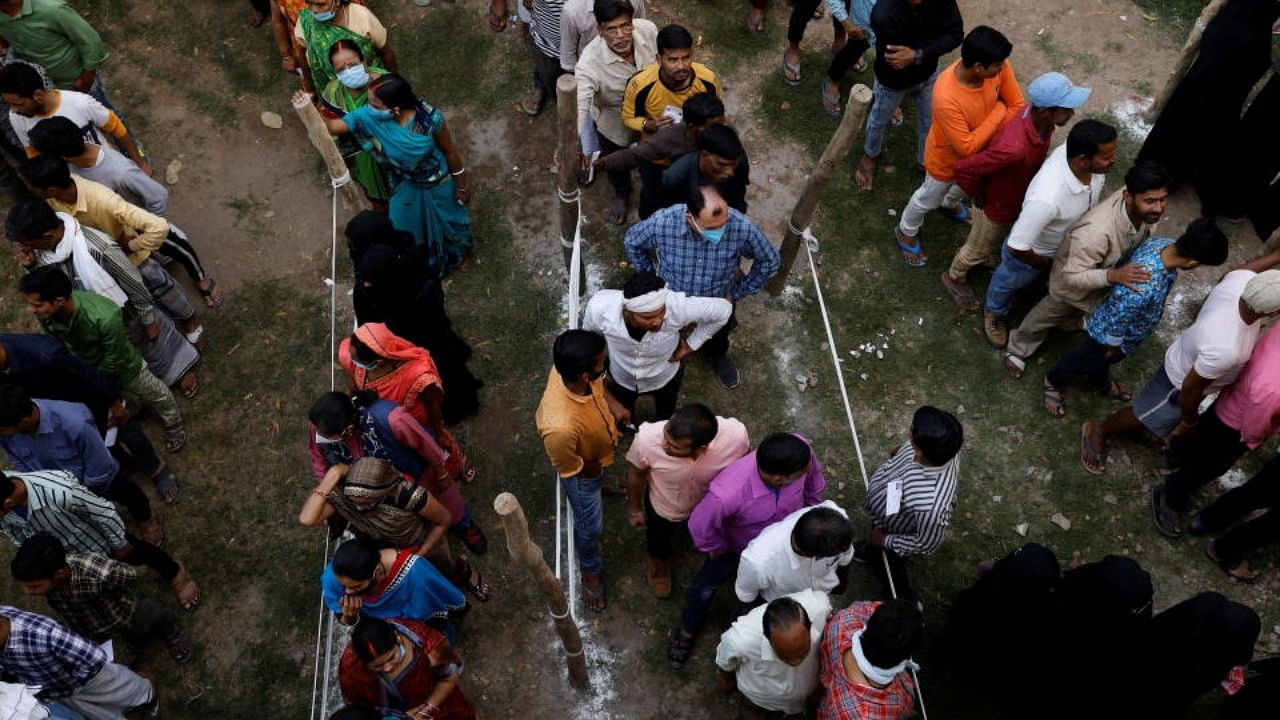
(1130, 112)
(601, 700)
(787, 370)
(1233, 479)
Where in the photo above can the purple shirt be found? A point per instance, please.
(739, 505)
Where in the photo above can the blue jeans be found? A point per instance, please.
(887, 100)
(62, 712)
(588, 520)
(715, 572)
(1009, 278)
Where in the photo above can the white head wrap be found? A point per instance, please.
(1262, 292)
(648, 302)
(878, 675)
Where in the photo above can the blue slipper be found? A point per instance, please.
(908, 250)
(959, 213)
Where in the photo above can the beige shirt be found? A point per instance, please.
(602, 81)
(578, 27)
(361, 21)
(1096, 244)
(97, 206)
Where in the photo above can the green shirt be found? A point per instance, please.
(97, 336)
(52, 34)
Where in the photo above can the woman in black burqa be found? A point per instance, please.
(1197, 136)
(391, 287)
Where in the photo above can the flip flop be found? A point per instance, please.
(1116, 391)
(212, 294)
(593, 599)
(755, 24)
(680, 649)
(861, 66)
(185, 588)
(898, 118)
(960, 292)
(1093, 460)
(830, 101)
(175, 438)
(1240, 572)
(908, 251)
(191, 390)
(167, 485)
(1014, 365)
(1054, 403)
(959, 213)
(863, 178)
(790, 73)
(479, 588)
(616, 213)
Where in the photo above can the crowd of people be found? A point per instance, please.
(122, 336)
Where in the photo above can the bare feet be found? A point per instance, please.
(593, 591)
(1093, 448)
(865, 174)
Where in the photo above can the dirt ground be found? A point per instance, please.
(193, 82)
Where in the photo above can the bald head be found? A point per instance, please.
(706, 209)
(786, 625)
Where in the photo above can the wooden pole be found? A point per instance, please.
(837, 149)
(1189, 51)
(567, 153)
(527, 553)
(353, 197)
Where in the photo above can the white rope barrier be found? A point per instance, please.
(811, 247)
(575, 288)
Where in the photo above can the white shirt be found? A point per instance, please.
(87, 113)
(770, 568)
(1055, 200)
(1218, 343)
(17, 702)
(644, 366)
(762, 677)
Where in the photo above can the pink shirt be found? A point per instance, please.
(677, 484)
(1252, 404)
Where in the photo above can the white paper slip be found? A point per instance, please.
(675, 113)
(110, 438)
(893, 502)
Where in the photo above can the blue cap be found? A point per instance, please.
(1053, 89)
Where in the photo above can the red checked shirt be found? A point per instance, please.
(844, 699)
(998, 176)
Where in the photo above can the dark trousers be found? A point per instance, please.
(151, 620)
(10, 182)
(801, 13)
(178, 248)
(134, 442)
(546, 70)
(1262, 491)
(875, 558)
(718, 345)
(846, 58)
(658, 532)
(664, 398)
(650, 188)
(144, 553)
(619, 180)
(715, 572)
(1091, 361)
(261, 6)
(1210, 452)
(126, 492)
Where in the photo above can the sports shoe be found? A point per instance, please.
(726, 372)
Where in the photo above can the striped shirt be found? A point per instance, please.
(112, 259)
(58, 504)
(928, 497)
(546, 27)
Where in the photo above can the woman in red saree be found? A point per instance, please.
(379, 360)
(403, 665)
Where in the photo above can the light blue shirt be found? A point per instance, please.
(66, 439)
(859, 11)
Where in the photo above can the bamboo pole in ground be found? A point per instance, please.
(527, 554)
(1189, 51)
(837, 149)
(567, 153)
(353, 197)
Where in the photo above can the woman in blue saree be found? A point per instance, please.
(389, 583)
(429, 188)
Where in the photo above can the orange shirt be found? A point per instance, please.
(575, 429)
(963, 118)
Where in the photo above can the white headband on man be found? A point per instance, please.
(648, 302)
(878, 675)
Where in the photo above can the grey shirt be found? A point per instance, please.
(119, 173)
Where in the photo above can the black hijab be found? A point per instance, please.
(370, 227)
(1192, 648)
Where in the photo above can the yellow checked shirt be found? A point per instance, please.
(97, 206)
(647, 98)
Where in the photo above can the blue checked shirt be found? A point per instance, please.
(41, 652)
(692, 265)
(1127, 316)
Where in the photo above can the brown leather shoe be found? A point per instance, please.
(658, 574)
(993, 327)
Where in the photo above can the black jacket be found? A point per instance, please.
(934, 27)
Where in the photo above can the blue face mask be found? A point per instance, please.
(381, 113)
(711, 236)
(326, 16)
(354, 77)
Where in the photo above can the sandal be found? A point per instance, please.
(1116, 391)
(912, 253)
(189, 389)
(960, 292)
(175, 438)
(167, 485)
(1092, 458)
(1054, 403)
(185, 588)
(497, 21)
(790, 73)
(755, 23)
(861, 66)
(1240, 571)
(898, 118)
(469, 473)
(616, 214)
(959, 213)
(531, 103)
(478, 587)
(212, 294)
(179, 646)
(680, 649)
(830, 99)
(593, 599)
